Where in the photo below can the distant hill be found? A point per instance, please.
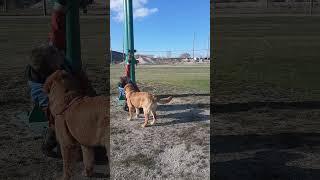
(117, 57)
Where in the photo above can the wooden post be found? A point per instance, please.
(44, 7)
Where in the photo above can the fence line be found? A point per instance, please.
(267, 6)
(173, 53)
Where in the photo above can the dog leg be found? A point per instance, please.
(130, 113)
(88, 160)
(137, 113)
(108, 155)
(146, 118)
(67, 162)
(67, 147)
(154, 115)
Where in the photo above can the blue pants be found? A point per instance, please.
(38, 95)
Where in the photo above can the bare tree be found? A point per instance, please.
(185, 55)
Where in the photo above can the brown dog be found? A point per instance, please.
(78, 119)
(144, 100)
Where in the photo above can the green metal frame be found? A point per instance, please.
(73, 35)
(129, 38)
(73, 54)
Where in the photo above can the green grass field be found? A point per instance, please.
(182, 77)
(274, 53)
(18, 35)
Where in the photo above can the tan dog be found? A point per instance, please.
(144, 100)
(78, 119)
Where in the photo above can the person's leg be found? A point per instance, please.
(50, 141)
(39, 97)
(126, 108)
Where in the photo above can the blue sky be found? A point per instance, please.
(164, 25)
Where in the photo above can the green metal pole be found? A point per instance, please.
(130, 39)
(44, 7)
(125, 39)
(73, 35)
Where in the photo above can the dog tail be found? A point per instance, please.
(164, 100)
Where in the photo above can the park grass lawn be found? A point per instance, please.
(18, 35)
(282, 52)
(187, 77)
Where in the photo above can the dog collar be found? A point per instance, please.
(67, 107)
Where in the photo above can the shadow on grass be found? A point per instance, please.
(238, 107)
(270, 162)
(191, 113)
(181, 95)
(177, 107)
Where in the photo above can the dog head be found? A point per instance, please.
(124, 80)
(128, 88)
(59, 76)
(46, 59)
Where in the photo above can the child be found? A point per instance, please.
(45, 60)
(57, 36)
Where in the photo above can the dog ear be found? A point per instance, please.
(48, 83)
(126, 86)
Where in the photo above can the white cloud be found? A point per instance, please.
(143, 12)
(139, 9)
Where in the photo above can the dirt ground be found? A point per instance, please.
(176, 147)
(262, 137)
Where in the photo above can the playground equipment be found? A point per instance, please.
(130, 60)
(73, 54)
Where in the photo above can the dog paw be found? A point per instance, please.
(143, 125)
(152, 123)
(129, 119)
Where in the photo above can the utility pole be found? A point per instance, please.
(44, 7)
(194, 36)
